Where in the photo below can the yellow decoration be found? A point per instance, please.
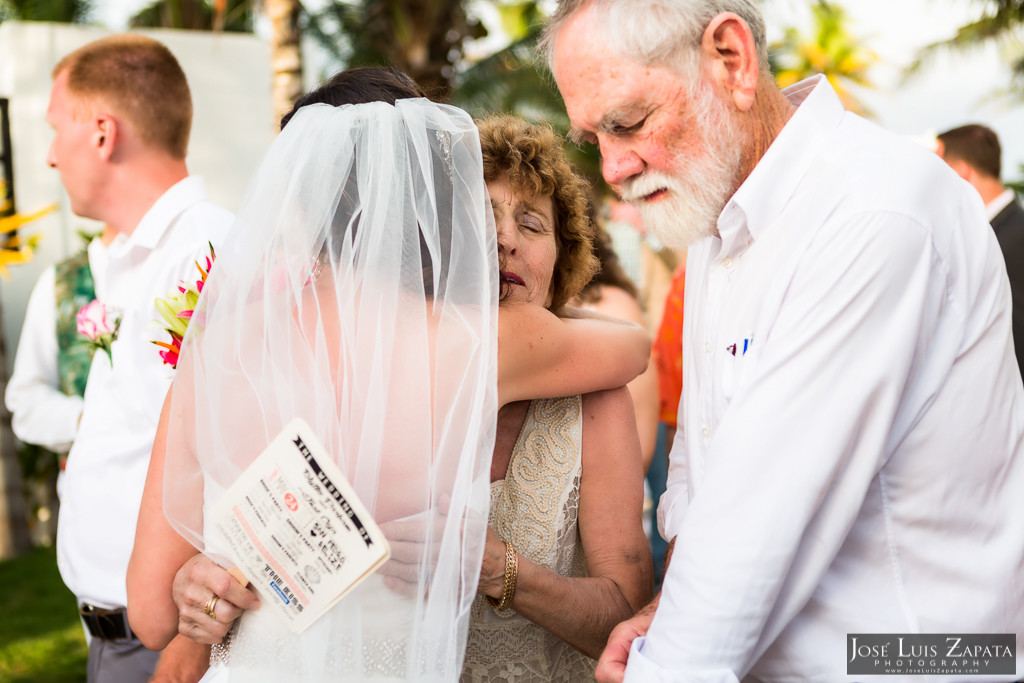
(17, 250)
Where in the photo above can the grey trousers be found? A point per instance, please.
(120, 661)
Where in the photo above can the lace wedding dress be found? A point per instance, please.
(535, 508)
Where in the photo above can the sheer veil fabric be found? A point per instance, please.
(357, 290)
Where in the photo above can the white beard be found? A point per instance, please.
(701, 185)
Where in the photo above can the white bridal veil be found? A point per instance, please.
(358, 290)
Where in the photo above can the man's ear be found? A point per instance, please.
(105, 135)
(728, 48)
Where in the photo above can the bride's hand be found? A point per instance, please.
(410, 554)
(195, 586)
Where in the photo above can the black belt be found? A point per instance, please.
(108, 624)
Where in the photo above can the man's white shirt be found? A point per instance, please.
(107, 466)
(849, 453)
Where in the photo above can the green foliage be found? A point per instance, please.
(516, 80)
(197, 15)
(1001, 22)
(1018, 185)
(37, 463)
(382, 32)
(66, 11)
(828, 49)
(512, 79)
(39, 469)
(41, 637)
(424, 38)
(334, 27)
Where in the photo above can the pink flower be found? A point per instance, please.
(172, 350)
(99, 325)
(93, 321)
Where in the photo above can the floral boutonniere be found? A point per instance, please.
(176, 310)
(99, 324)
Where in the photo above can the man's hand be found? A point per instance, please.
(611, 668)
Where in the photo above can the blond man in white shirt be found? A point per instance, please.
(121, 112)
(850, 452)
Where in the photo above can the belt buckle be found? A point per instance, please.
(105, 623)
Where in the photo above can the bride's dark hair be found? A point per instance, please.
(359, 85)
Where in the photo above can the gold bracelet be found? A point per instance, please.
(508, 587)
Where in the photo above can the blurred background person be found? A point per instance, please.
(667, 352)
(44, 393)
(612, 292)
(974, 152)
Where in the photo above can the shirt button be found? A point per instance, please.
(705, 432)
(707, 346)
(727, 263)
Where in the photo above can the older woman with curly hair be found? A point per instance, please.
(565, 558)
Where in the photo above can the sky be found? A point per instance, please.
(954, 89)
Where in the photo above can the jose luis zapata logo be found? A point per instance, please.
(931, 653)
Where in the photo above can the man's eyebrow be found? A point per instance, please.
(609, 123)
(577, 136)
(612, 118)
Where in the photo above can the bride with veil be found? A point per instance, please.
(357, 290)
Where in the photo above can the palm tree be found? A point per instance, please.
(424, 38)
(66, 11)
(237, 15)
(829, 49)
(196, 15)
(513, 79)
(285, 54)
(1000, 22)
(517, 80)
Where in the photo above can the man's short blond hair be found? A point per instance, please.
(140, 81)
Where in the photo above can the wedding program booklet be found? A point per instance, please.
(296, 529)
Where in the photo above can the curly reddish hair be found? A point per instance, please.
(530, 155)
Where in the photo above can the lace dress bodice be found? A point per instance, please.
(535, 507)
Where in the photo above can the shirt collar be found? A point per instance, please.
(181, 196)
(761, 198)
(999, 203)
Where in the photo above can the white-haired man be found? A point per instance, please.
(849, 455)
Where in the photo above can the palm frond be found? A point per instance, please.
(64, 11)
(1002, 19)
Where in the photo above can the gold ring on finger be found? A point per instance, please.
(210, 606)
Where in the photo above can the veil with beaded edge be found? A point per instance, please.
(357, 290)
